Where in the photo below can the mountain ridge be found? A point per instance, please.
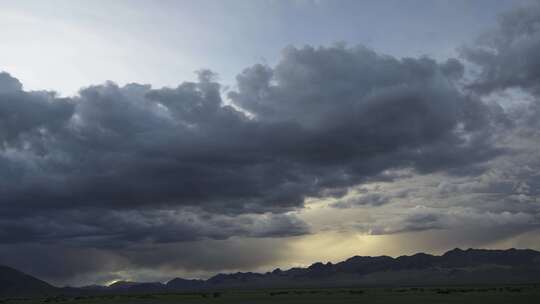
(16, 283)
(454, 267)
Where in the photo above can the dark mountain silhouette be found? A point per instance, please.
(455, 267)
(472, 266)
(183, 284)
(16, 283)
(133, 287)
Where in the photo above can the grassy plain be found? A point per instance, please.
(462, 295)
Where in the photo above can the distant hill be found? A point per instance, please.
(455, 267)
(183, 284)
(16, 283)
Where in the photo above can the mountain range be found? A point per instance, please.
(455, 267)
(15, 283)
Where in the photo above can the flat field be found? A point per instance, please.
(484, 294)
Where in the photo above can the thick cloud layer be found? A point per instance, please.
(118, 167)
(322, 119)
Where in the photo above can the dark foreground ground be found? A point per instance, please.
(490, 294)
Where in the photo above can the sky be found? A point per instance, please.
(162, 139)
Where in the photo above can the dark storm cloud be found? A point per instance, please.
(508, 56)
(28, 113)
(323, 118)
(119, 167)
(116, 229)
(353, 105)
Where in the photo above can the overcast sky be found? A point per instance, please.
(164, 43)
(184, 138)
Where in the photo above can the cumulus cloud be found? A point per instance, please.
(507, 56)
(323, 118)
(116, 167)
(497, 199)
(24, 115)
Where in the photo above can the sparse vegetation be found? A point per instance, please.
(403, 295)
